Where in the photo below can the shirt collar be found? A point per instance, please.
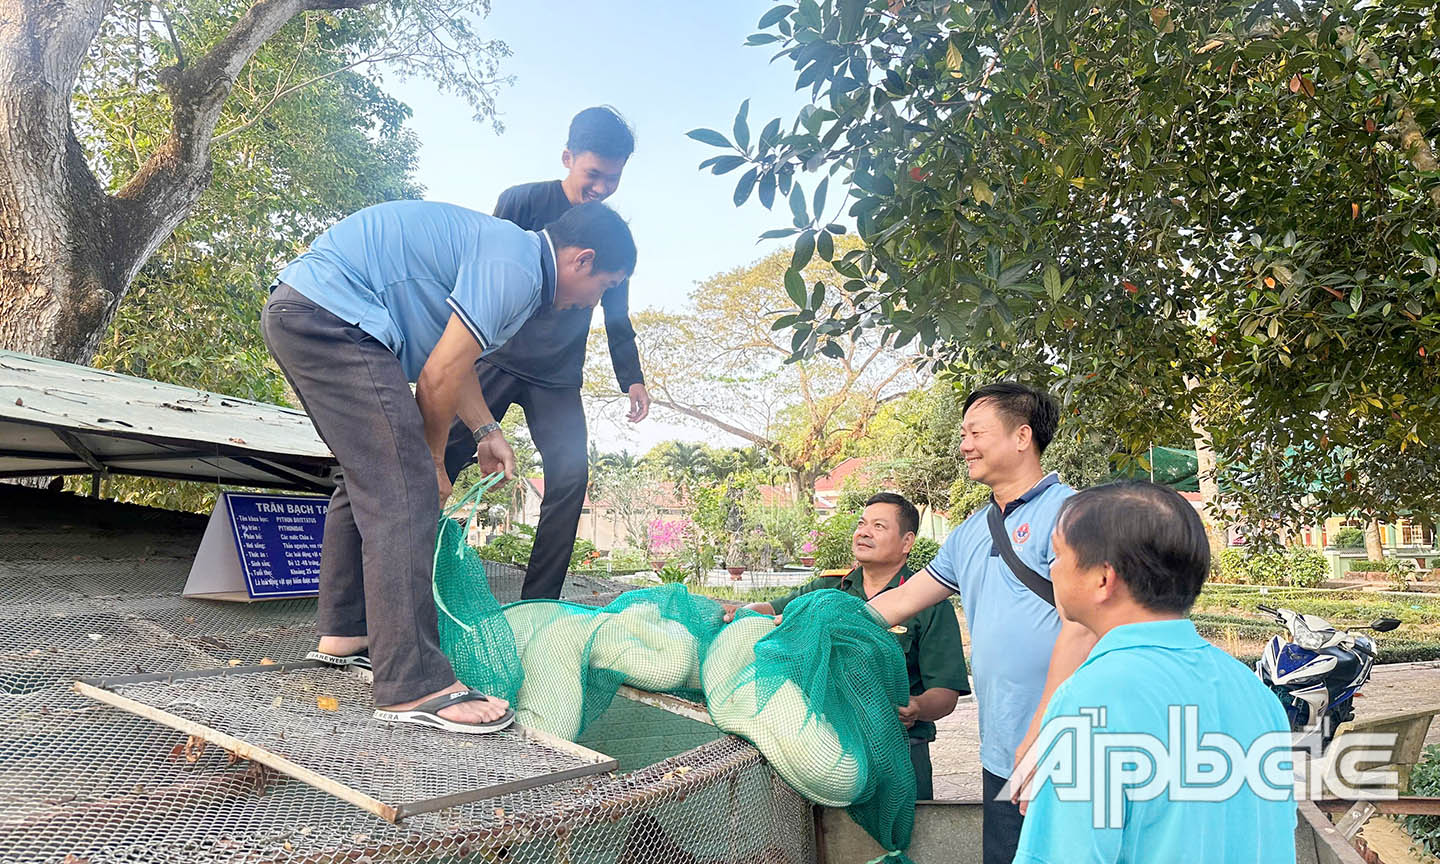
(857, 577)
(1031, 494)
(1176, 634)
(547, 269)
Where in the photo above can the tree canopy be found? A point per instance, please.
(1216, 210)
(723, 363)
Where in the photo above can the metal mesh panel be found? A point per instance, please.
(319, 719)
(109, 577)
(84, 783)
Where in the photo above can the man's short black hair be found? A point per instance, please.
(1022, 405)
(594, 226)
(1151, 536)
(602, 131)
(909, 516)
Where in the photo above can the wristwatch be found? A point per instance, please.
(485, 430)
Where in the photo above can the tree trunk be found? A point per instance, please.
(1205, 476)
(802, 486)
(60, 281)
(1374, 549)
(68, 250)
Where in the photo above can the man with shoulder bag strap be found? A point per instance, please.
(998, 561)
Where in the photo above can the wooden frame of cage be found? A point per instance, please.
(101, 691)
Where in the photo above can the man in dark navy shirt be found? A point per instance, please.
(540, 367)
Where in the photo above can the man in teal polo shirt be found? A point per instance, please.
(400, 293)
(1019, 648)
(1130, 559)
(934, 656)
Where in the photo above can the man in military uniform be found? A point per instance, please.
(934, 656)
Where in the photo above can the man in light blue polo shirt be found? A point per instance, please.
(1188, 753)
(1019, 648)
(402, 292)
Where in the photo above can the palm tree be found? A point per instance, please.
(684, 463)
(623, 461)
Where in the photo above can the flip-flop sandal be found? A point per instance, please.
(359, 660)
(427, 713)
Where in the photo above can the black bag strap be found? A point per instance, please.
(1029, 578)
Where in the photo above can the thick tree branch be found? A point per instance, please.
(170, 181)
(697, 414)
(282, 91)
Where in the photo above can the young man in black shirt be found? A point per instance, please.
(540, 367)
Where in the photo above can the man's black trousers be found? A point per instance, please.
(556, 419)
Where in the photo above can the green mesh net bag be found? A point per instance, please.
(473, 631)
(817, 694)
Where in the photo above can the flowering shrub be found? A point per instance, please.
(667, 536)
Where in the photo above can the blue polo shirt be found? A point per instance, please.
(1160, 682)
(398, 270)
(1012, 631)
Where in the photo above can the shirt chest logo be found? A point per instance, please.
(1022, 533)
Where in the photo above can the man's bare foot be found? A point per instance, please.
(491, 709)
(342, 646)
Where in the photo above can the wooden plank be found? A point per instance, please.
(218, 672)
(243, 749)
(1409, 805)
(1331, 845)
(595, 762)
(555, 742)
(510, 787)
(672, 704)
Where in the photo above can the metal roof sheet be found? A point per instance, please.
(60, 418)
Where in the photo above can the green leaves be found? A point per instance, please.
(722, 164)
(1121, 213)
(795, 286)
(742, 129)
(708, 136)
(773, 16)
(747, 182)
(1051, 280)
(804, 250)
(797, 206)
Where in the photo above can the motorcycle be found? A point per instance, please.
(1317, 671)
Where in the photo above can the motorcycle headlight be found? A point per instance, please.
(1307, 638)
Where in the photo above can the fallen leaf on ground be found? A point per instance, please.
(266, 661)
(194, 748)
(327, 703)
(234, 662)
(237, 440)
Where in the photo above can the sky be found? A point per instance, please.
(668, 67)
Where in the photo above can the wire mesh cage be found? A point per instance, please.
(86, 783)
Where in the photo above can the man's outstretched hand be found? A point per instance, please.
(639, 403)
